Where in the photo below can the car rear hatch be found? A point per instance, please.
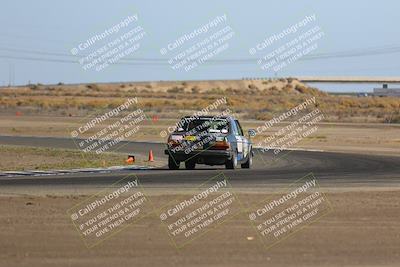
(201, 134)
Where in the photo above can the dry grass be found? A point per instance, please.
(250, 99)
(38, 158)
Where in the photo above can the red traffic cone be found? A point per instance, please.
(130, 160)
(155, 118)
(151, 157)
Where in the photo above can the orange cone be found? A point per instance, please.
(151, 157)
(130, 160)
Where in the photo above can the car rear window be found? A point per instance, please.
(209, 124)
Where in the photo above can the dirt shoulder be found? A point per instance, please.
(362, 230)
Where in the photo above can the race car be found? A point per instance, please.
(211, 141)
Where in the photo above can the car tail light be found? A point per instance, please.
(221, 145)
(174, 140)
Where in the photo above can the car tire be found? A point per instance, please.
(190, 165)
(172, 165)
(231, 163)
(249, 162)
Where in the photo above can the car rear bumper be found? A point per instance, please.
(210, 157)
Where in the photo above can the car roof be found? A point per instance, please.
(209, 117)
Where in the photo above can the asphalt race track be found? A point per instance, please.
(331, 169)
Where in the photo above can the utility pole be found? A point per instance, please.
(11, 74)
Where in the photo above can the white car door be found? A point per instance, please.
(242, 143)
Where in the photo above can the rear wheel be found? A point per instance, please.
(190, 164)
(172, 165)
(249, 162)
(232, 163)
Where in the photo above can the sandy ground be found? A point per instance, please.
(363, 229)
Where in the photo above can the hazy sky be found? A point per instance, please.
(37, 37)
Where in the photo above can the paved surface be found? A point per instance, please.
(331, 169)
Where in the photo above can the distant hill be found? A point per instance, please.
(249, 99)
